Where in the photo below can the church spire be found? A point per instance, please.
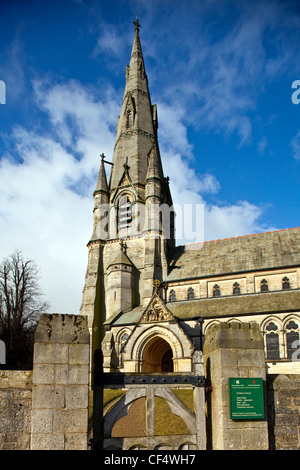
(137, 43)
(137, 124)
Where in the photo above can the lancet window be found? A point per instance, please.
(292, 338)
(264, 286)
(282, 340)
(236, 289)
(286, 283)
(191, 293)
(216, 291)
(272, 341)
(172, 296)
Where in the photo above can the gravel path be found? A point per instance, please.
(133, 424)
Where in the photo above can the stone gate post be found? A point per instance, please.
(233, 350)
(199, 402)
(60, 393)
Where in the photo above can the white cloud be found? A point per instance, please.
(262, 145)
(46, 201)
(295, 144)
(172, 130)
(110, 41)
(242, 218)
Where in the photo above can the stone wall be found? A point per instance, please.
(263, 303)
(48, 408)
(284, 411)
(15, 409)
(249, 283)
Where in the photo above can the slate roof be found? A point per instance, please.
(256, 252)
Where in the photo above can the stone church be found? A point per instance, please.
(150, 303)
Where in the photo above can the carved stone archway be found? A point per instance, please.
(157, 333)
(167, 336)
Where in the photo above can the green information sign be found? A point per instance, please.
(246, 398)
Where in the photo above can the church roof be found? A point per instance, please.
(126, 318)
(261, 251)
(121, 258)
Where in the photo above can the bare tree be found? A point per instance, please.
(20, 305)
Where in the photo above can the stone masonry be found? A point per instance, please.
(233, 350)
(284, 411)
(60, 383)
(15, 409)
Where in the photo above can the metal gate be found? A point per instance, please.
(150, 385)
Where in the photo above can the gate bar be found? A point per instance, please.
(114, 379)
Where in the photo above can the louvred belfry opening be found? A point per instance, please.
(124, 212)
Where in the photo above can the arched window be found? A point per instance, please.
(286, 283)
(236, 289)
(172, 296)
(124, 213)
(264, 286)
(129, 118)
(124, 337)
(191, 294)
(216, 291)
(292, 338)
(272, 341)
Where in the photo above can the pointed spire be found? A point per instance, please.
(101, 185)
(153, 167)
(137, 48)
(137, 124)
(136, 74)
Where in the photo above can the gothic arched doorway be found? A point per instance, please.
(157, 356)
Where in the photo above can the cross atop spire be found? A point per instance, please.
(136, 22)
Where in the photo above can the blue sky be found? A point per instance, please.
(221, 74)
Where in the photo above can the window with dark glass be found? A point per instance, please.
(236, 288)
(292, 338)
(272, 341)
(264, 286)
(216, 291)
(191, 294)
(286, 283)
(172, 296)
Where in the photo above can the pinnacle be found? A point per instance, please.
(101, 182)
(153, 168)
